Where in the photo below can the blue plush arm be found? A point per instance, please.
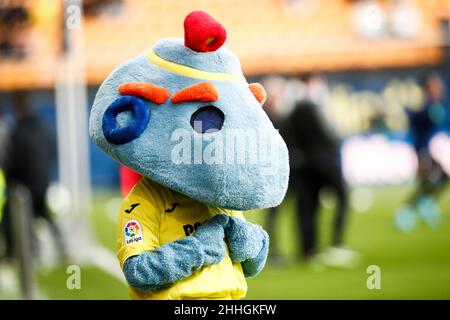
(177, 260)
(248, 243)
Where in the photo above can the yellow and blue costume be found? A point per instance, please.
(161, 216)
(181, 233)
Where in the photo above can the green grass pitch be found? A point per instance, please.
(413, 266)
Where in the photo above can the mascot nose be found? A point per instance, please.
(136, 113)
(207, 119)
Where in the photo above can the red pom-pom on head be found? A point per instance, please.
(202, 33)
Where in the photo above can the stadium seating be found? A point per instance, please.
(269, 36)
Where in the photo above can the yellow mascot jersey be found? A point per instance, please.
(152, 215)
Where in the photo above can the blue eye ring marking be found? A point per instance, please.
(141, 116)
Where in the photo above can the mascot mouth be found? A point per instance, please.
(207, 119)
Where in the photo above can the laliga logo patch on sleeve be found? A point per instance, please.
(133, 232)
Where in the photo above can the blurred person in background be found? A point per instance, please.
(432, 178)
(315, 164)
(29, 164)
(273, 106)
(4, 148)
(14, 29)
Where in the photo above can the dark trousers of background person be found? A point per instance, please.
(40, 210)
(272, 214)
(432, 177)
(6, 228)
(308, 181)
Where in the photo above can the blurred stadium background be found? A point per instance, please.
(367, 58)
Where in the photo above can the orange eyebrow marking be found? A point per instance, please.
(149, 91)
(258, 91)
(203, 91)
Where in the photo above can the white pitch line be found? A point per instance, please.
(103, 259)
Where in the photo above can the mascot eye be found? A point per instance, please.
(132, 129)
(207, 119)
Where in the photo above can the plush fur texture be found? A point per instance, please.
(177, 260)
(119, 135)
(221, 60)
(148, 91)
(202, 92)
(246, 165)
(228, 184)
(247, 243)
(258, 91)
(202, 33)
(254, 266)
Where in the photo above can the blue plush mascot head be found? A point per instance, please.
(183, 115)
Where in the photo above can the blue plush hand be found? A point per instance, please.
(211, 236)
(244, 239)
(248, 243)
